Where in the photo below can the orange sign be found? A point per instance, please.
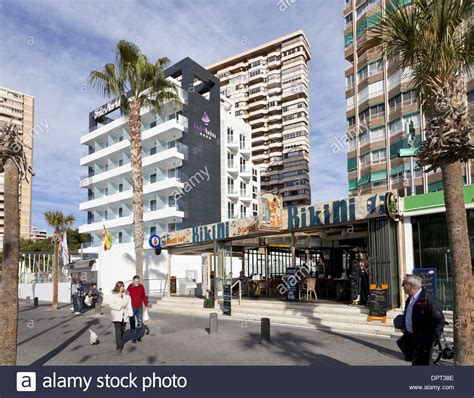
(271, 208)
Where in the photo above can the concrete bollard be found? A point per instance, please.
(265, 330)
(213, 323)
(28, 300)
(98, 309)
(36, 302)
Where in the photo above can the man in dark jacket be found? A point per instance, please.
(424, 321)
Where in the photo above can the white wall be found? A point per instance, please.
(408, 235)
(44, 291)
(118, 264)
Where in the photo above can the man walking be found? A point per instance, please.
(138, 296)
(424, 321)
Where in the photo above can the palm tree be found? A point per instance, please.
(434, 40)
(59, 222)
(137, 83)
(14, 165)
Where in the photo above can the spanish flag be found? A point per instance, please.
(107, 238)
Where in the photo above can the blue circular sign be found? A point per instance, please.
(154, 241)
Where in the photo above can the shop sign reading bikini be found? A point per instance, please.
(202, 129)
(293, 218)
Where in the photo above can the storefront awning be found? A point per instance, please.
(378, 176)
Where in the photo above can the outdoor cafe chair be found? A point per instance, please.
(308, 286)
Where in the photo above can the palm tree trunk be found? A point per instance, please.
(11, 253)
(461, 260)
(137, 178)
(54, 305)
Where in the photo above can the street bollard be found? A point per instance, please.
(98, 309)
(265, 330)
(36, 302)
(28, 300)
(213, 327)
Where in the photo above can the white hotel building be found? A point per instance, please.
(191, 176)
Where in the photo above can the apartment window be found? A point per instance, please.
(243, 166)
(364, 116)
(230, 185)
(152, 178)
(120, 237)
(395, 103)
(153, 150)
(255, 209)
(409, 97)
(365, 159)
(120, 138)
(375, 67)
(349, 81)
(379, 156)
(106, 191)
(254, 192)
(230, 210)
(153, 205)
(120, 212)
(377, 134)
(254, 175)
(351, 143)
(120, 162)
(243, 144)
(363, 139)
(254, 73)
(152, 230)
(255, 63)
(396, 126)
(351, 121)
(363, 73)
(120, 187)
(230, 134)
(243, 211)
(377, 111)
(106, 215)
(172, 201)
(348, 19)
(230, 160)
(239, 113)
(255, 90)
(272, 103)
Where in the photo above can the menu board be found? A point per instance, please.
(378, 301)
(227, 300)
(428, 279)
(173, 286)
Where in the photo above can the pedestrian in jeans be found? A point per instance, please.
(120, 310)
(138, 296)
(77, 296)
(424, 321)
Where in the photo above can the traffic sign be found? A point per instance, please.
(407, 152)
(154, 241)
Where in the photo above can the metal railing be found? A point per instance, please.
(238, 282)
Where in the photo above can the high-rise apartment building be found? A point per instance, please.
(185, 176)
(18, 108)
(268, 86)
(381, 104)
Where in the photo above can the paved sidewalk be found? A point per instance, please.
(46, 338)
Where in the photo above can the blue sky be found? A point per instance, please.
(48, 49)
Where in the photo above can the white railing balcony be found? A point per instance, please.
(232, 191)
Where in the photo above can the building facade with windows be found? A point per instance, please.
(268, 87)
(240, 179)
(381, 104)
(38, 234)
(18, 108)
(180, 162)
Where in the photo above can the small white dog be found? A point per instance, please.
(93, 338)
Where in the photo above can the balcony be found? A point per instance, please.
(232, 192)
(165, 187)
(232, 167)
(169, 158)
(245, 195)
(168, 214)
(167, 131)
